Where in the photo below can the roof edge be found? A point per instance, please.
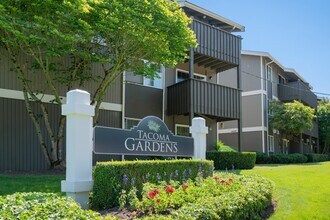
(235, 25)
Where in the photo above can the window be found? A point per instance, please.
(270, 112)
(182, 130)
(271, 143)
(131, 122)
(183, 75)
(285, 146)
(269, 73)
(155, 82)
(281, 79)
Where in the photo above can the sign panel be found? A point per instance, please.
(150, 137)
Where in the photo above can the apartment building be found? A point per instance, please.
(190, 89)
(264, 78)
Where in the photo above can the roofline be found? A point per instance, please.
(213, 15)
(266, 54)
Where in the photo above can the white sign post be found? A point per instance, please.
(199, 131)
(79, 146)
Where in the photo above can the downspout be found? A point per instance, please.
(266, 65)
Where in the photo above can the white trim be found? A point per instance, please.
(123, 105)
(15, 94)
(179, 125)
(271, 138)
(185, 71)
(254, 92)
(262, 104)
(266, 54)
(246, 129)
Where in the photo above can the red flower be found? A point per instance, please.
(216, 178)
(155, 191)
(231, 180)
(222, 181)
(227, 184)
(151, 194)
(158, 200)
(169, 189)
(184, 186)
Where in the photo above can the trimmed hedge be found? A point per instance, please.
(226, 160)
(262, 158)
(110, 177)
(42, 206)
(317, 157)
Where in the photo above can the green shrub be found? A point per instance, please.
(229, 160)
(42, 206)
(109, 177)
(220, 146)
(262, 158)
(317, 157)
(225, 196)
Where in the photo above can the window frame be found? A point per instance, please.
(162, 71)
(132, 119)
(271, 146)
(184, 71)
(180, 125)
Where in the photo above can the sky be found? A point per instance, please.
(295, 32)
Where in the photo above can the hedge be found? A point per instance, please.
(110, 178)
(317, 157)
(42, 206)
(229, 160)
(262, 158)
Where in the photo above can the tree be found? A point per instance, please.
(291, 119)
(323, 116)
(58, 41)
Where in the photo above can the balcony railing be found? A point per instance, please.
(297, 91)
(212, 100)
(216, 43)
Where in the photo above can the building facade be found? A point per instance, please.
(190, 89)
(265, 79)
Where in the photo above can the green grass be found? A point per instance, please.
(28, 183)
(302, 191)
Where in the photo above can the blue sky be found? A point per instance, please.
(295, 32)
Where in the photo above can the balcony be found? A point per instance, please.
(204, 98)
(297, 91)
(314, 132)
(217, 49)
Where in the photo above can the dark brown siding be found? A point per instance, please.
(141, 101)
(216, 43)
(297, 91)
(209, 99)
(19, 146)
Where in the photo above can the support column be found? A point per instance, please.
(79, 142)
(191, 76)
(199, 131)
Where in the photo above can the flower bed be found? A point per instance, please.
(225, 196)
(110, 178)
(42, 206)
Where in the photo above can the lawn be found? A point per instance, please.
(302, 191)
(30, 183)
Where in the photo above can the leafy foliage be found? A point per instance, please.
(111, 178)
(225, 196)
(53, 46)
(323, 116)
(220, 146)
(42, 206)
(232, 160)
(262, 158)
(317, 157)
(291, 118)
